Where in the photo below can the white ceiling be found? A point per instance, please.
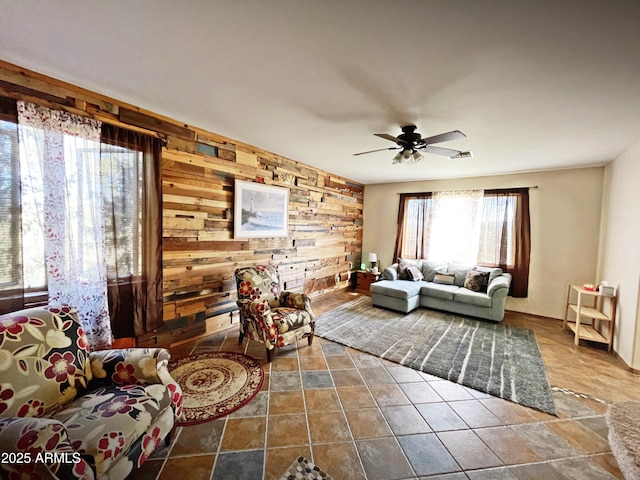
(534, 85)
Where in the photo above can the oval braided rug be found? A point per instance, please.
(215, 384)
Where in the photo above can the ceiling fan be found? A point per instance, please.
(411, 145)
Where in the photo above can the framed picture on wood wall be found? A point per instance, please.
(260, 211)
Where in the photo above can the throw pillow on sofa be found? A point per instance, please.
(414, 274)
(476, 280)
(444, 278)
(403, 265)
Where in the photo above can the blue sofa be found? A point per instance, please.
(407, 295)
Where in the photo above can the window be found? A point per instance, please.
(11, 224)
(488, 228)
(117, 174)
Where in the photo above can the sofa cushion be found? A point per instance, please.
(429, 269)
(48, 355)
(438, 290)
(103, 425)
(464, 295)
(286, 318)
(397, 288)
(460, 272)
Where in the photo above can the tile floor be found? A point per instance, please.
(360, 417)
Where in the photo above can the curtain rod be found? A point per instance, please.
(463, 189)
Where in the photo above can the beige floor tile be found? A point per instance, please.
(340, 460)
(287, 401)
(287, 430)
(328, 427)
(339, 362)
(321, 400)
(508, 446)
(199, 467)
(355, 397)
(279, 459)
(244, 433)
(347, 378)
(313, 363)
(367, 423)
(284, 364)
(388, 395)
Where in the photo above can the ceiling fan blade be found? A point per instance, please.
(386, 136)
(444, 137)
(377, 150)
(447, 152)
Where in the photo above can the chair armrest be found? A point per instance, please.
(135, 366)
(244, 305)
(300, 301)
(128, 366)
(500, 282)
(39, 448)
(259, 312)
(391, 272)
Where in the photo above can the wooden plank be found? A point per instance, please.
(231, 245)
(156, 124)
(246, 158)
(181, 144)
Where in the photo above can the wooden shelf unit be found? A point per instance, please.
(600, 325)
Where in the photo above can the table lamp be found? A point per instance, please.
(373, 258)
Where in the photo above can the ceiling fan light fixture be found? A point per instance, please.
(417, 156)
(398, 158)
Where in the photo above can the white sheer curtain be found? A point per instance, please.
(60, 168)
(454, 232)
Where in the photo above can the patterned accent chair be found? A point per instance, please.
(69, 413)
(269, 315)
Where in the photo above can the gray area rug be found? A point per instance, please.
(500, 360)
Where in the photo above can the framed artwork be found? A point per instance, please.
(260, 210)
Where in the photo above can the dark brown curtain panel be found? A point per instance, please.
(132, 208)
(520, 270)
(414, 219)
(506, 238)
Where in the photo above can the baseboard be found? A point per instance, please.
(632, 370)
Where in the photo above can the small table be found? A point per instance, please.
(592, 330)
(364, 279)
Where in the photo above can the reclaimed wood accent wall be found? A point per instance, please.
(199, 169)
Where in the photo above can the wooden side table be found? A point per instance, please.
(364, 279)
(590, 304)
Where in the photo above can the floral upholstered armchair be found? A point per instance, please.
(269, 315)
(69, 413)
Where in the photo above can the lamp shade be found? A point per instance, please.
(373, 257)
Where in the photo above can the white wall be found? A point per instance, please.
(621, 255)
(565, 227)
